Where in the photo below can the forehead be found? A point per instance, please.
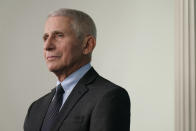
(57, 23)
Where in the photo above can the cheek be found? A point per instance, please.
(71, 51)
(66, 55)
(67, 50)
(76, 52)
(70, 56)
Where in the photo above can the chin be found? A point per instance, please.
(52, 68)
(55, 68)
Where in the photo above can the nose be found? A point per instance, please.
(49, 44)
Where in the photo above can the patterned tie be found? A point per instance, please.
(53, 109)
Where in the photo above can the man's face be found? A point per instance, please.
(62, 49)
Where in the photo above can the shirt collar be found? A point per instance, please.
(69, 83)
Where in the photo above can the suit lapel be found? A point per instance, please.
(43, 111)
(78, 92)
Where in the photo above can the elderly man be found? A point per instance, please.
(82, 99)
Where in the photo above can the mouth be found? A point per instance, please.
(50, 58)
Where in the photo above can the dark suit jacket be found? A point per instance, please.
(95, 104)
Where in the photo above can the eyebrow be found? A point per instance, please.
(55, 32)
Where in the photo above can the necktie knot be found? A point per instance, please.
(60, 90)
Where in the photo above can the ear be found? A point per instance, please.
(89, 44)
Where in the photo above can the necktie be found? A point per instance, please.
(53, 109)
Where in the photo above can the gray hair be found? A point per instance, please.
(82, 23)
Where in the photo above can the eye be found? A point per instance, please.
(58, 35)
(45, 37)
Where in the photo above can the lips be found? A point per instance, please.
(52, 57)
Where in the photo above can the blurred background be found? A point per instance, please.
(135, 49)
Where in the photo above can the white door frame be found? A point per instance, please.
(185, 107)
